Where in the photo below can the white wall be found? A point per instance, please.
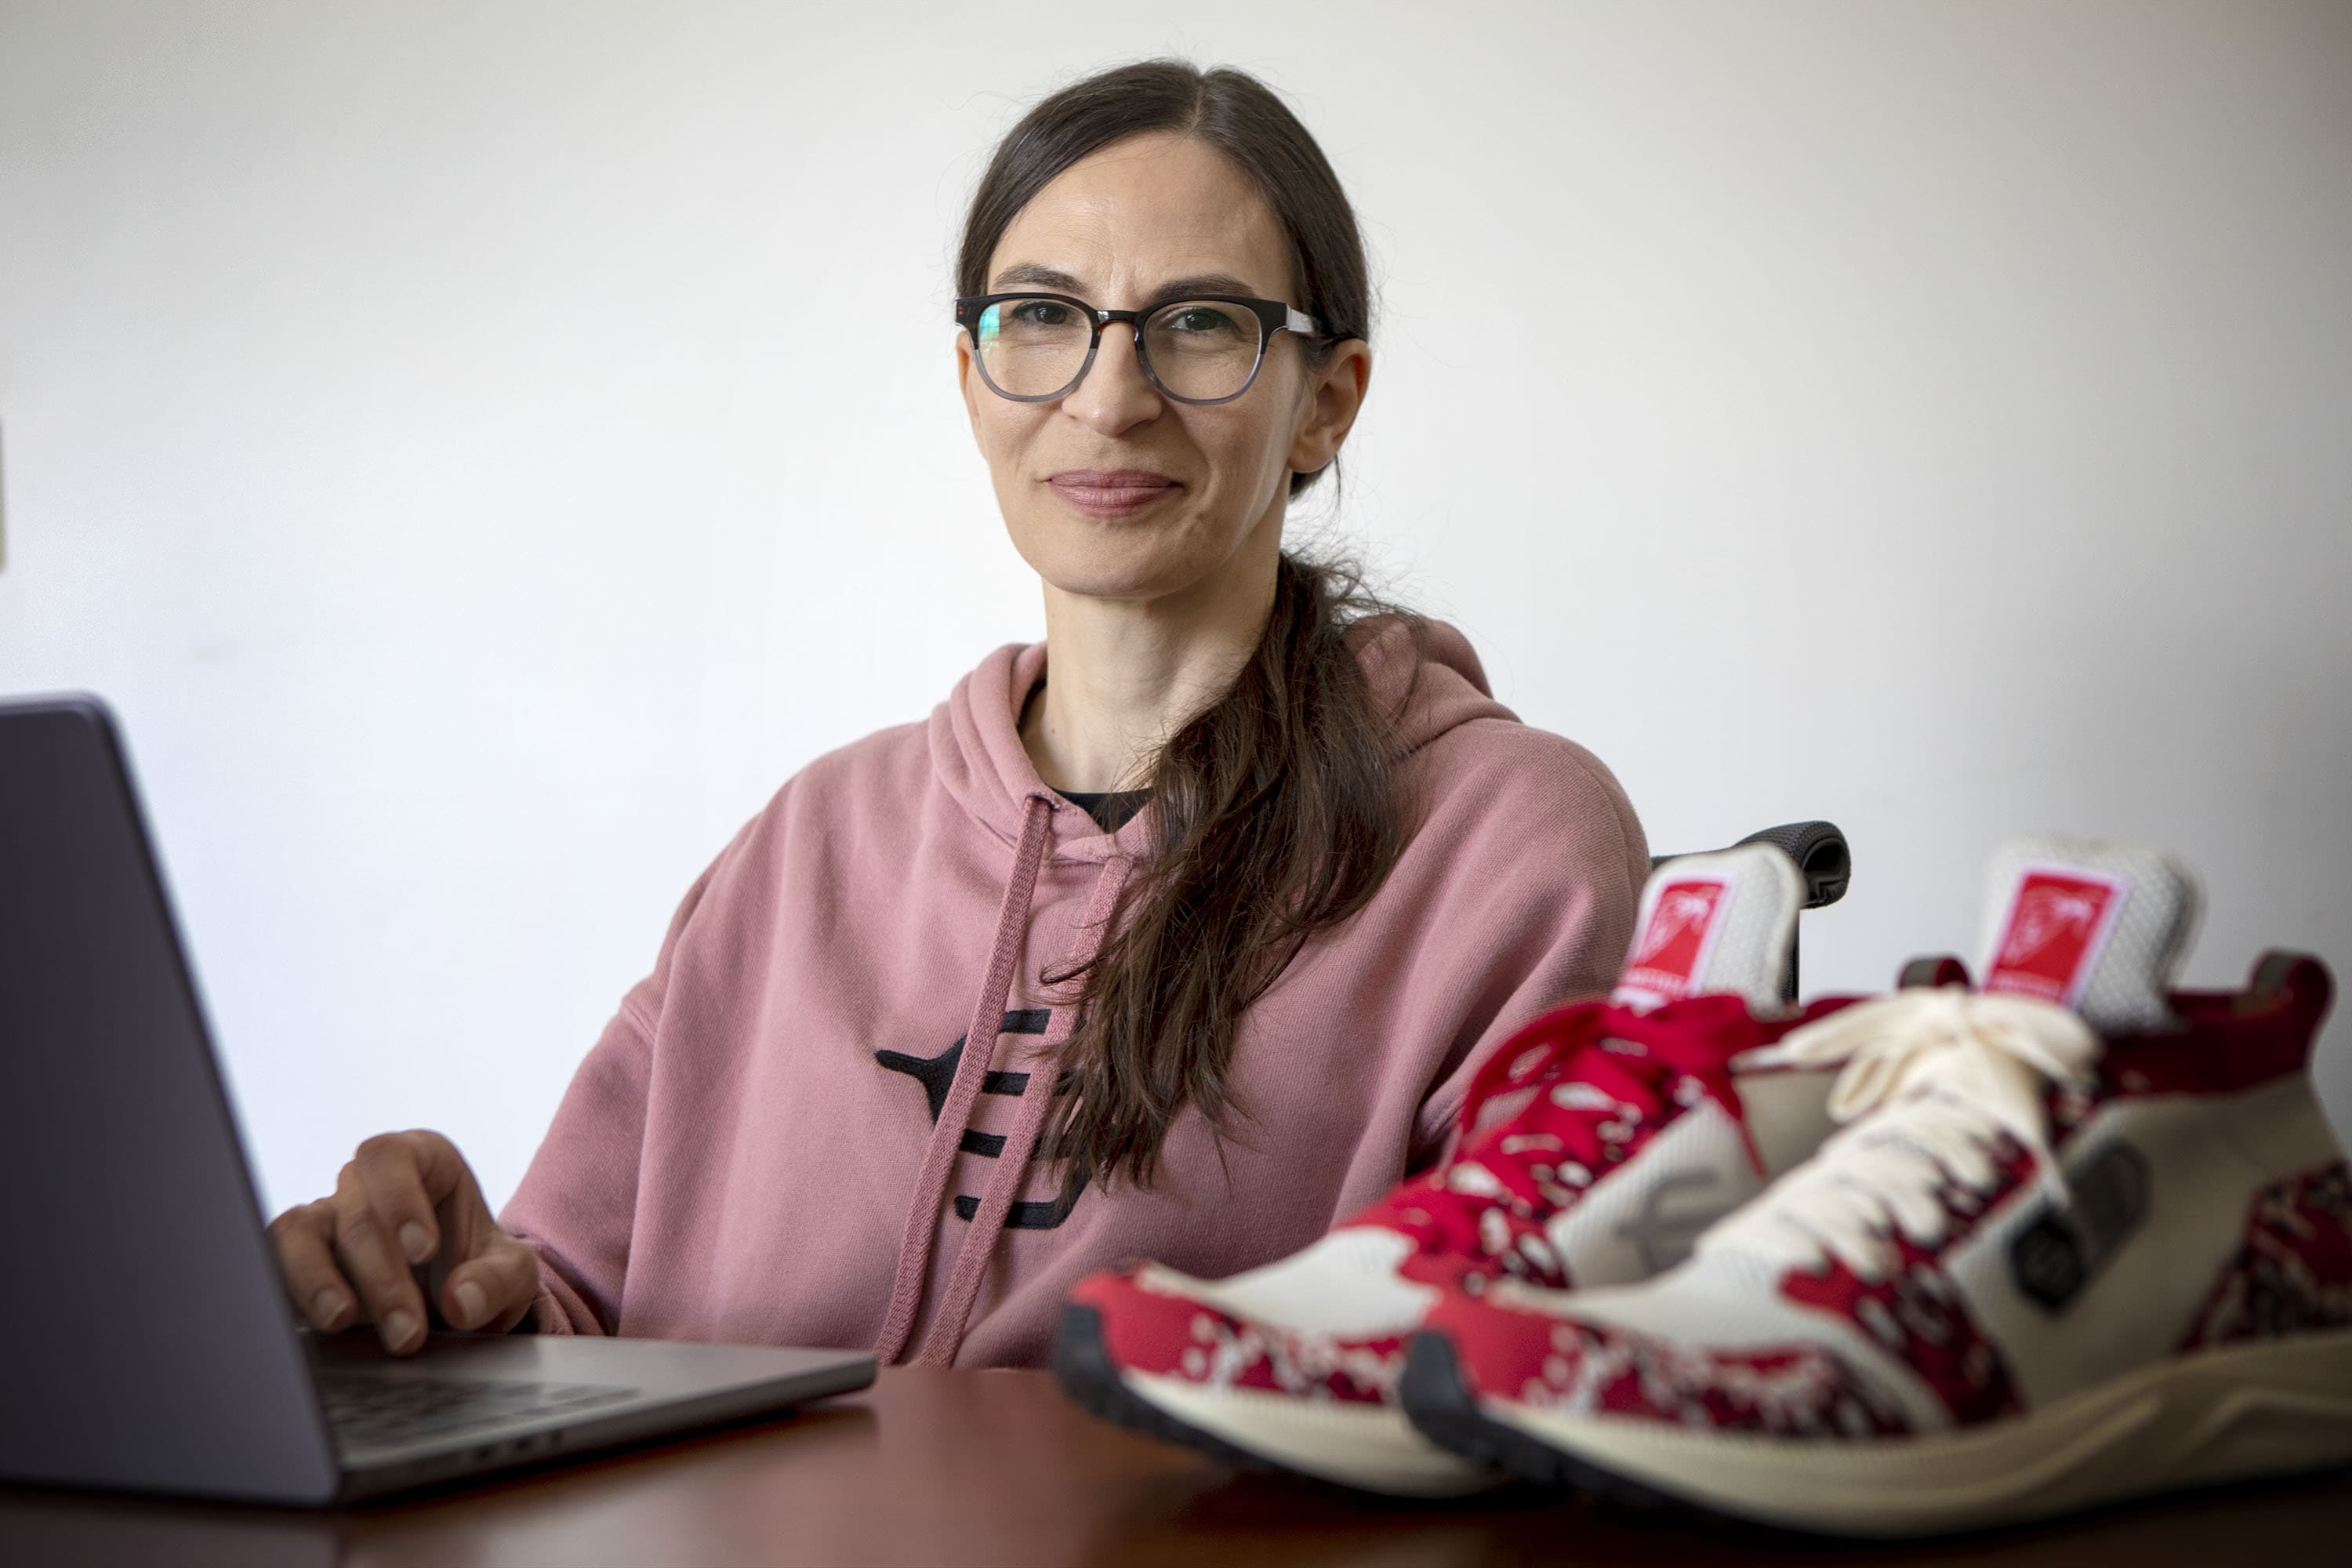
(483, 450)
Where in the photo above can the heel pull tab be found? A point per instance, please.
(1934, 971)
(2296, 981)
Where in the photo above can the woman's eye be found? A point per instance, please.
(1041, 313)
(1189, 319)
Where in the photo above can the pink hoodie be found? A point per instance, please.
(780, 1139)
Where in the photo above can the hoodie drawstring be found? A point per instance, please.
(955, 1115)
(1004, 1182)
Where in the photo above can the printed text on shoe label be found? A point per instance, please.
(1670, 954)
(2058, 924)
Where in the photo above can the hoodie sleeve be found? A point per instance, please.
(1552, 865)
(577, 1201)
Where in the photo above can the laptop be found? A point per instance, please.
(145, 1341)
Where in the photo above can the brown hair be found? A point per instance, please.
(1276, 814)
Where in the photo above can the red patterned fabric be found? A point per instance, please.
(1485, 1213)
(1542, 1361)
(2294, 1273)
(1154, 1331)
(1913, 1309)
(1916, 1313)
(1594, 1082)
(1602, 1082)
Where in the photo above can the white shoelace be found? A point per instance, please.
(1946, 1072)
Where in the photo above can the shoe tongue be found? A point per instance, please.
(2099, 927)
(1714, 924)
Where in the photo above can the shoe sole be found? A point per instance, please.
(1440, 1407)
(1369, 1448)
(2238, 1413)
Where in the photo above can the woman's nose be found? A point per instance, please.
(1114, 394)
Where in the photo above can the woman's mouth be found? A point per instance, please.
(1111, 493)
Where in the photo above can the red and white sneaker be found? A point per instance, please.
(2037, 1272)
(1595, 1146)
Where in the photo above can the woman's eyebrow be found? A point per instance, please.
(1204, 283)
(1033, 275)
(1030, 275)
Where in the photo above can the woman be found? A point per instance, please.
(1232, 889)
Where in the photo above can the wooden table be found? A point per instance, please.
(975, 1469)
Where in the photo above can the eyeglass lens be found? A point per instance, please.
(1198, 350)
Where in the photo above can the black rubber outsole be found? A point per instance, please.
(1439, 1404)
(1089, 1377)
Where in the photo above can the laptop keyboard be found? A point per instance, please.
(377, 1412)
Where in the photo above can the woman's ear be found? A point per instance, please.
(1335, 394)
(967, 383)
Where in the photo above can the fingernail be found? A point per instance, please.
(414, 1242)
(399, 1326)
(325, 1307)
(473, 1304)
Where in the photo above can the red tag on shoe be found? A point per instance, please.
(2058, 924)
(1671, 952)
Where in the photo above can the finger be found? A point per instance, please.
(467, 1227)
(306, 1260)
(491, 1293)
(406, 1176)
(364, 1246)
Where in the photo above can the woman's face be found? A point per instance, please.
(1114, 491)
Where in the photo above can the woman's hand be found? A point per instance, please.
(405, 1198)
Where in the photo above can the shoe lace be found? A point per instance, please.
(1940, 1088)
(1597, 1086)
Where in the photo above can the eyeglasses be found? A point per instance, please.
(1034, 348)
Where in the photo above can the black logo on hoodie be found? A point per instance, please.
(937, 1074)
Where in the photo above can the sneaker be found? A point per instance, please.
(2083, 1239)
(1595, 1146)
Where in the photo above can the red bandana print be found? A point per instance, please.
(1601, 1085)
(1152, 1331)
(1485, 1214)
(1597, 1083)
(1915, 1310)
(2294, 1273)
(1584, 1368)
